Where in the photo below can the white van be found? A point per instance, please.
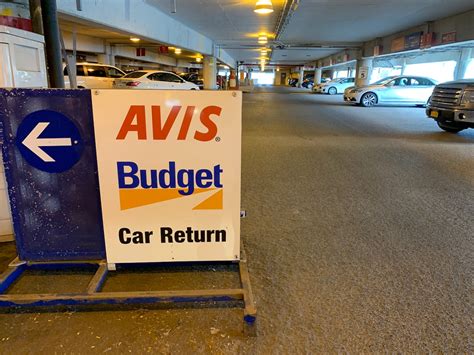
(94, 76)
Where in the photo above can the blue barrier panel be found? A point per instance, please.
(51, 170)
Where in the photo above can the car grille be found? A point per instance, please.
(446, 96)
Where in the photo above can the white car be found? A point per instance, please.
(400, 90)
(154, 79)
(333, 87)
(94, 76)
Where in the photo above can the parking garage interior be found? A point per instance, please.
(358, 229)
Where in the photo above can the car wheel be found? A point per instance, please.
(332, 90)
(448, 127)
(369, 99)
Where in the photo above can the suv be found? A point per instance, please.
(452, 105)
(94, 76)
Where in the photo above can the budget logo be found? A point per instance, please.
(140, 187)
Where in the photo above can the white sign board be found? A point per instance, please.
(169, 174)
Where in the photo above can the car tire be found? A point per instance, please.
(451, 128)
(332, 90)
(369, 99)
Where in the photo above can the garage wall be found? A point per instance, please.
(84, 43)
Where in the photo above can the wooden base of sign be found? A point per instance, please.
(92, 297)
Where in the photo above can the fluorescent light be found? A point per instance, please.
(177, 51)
(262, 39)
(198, 59)
(135, 39)
(263, 7)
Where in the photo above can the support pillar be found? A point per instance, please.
(317, 76)
(462, 63)
(108, 57)
(52, 43)
(301, 77)
(363, 71)
(209, 73)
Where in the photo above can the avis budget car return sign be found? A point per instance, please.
(169, 174)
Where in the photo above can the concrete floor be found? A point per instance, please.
(359, 239)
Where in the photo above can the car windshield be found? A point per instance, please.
(135, 74)
(384, 81)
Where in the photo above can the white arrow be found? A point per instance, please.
(34, 143)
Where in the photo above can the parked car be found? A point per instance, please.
(193, 78)
(94, 76)
(308, 83)
(293, 82)
(154, 79)
(400, 90)
(333, 87)
(452, 105)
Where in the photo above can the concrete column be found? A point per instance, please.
(462, 63)
(363, 71)
(301, 76)
(108, 57)
(209, 72)
(317, 76)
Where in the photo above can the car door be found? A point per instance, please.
(112, 74)
(423, 88)
(399, 90)
(176, 82)
(347, 83)
(159, 81)
(96, 77)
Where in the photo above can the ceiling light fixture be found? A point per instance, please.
(135, 39)
(263, 7)
(177, 50)
(262, 39)
(198, 59)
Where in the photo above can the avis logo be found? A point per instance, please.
(136, 121)
(141, 187)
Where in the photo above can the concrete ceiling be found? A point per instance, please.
(114, 37)
(233, 25)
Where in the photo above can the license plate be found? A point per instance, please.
(434, 114)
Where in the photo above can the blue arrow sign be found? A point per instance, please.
(49, 141)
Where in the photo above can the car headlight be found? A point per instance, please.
(468, 97)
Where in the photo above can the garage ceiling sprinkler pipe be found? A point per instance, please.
(263, 7)
(173, 6)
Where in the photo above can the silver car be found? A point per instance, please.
(400, 90)
(333, 87)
